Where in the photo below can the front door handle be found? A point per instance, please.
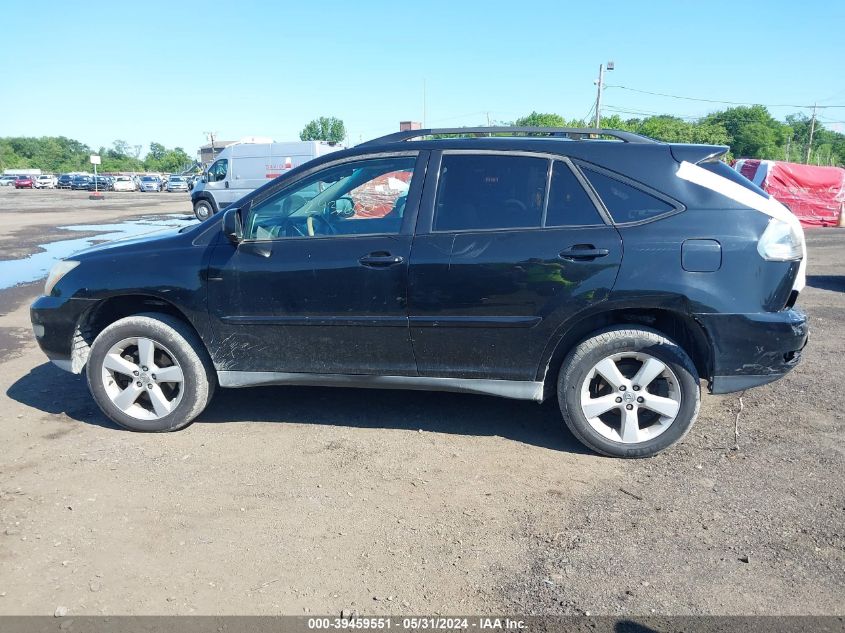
(226, 184)
(381, 260)
(583, 252)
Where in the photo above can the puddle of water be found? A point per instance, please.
(36, 266)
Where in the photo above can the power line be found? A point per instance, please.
(589, 112)
(649, 113)
(746, 103)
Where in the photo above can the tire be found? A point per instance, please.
(150, 404)
(203, 210)
(629, 427)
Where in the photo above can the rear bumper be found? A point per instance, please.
(750, 350)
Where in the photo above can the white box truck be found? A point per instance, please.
(243, 167)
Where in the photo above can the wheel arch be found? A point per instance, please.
(111, 309)
(673, 323)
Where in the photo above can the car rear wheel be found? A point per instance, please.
(150, 372)
(629, 392)
(203, 210)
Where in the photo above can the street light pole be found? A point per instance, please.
(600, 84)
(598, 96)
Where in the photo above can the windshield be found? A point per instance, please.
(148, 179)
(175, 179)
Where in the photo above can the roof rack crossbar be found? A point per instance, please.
(574, 133)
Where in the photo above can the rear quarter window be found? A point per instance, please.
(625, 202)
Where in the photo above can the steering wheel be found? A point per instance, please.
(516, 203)
(309, 223)
(292, 229)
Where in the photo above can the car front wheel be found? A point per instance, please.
(629, 392)
(150, 372)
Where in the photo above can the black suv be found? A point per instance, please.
(602, 268)
(99, 183)
(80, 182)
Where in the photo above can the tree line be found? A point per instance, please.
(750, 131)
(58, 154)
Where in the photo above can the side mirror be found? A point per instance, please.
(232, 227)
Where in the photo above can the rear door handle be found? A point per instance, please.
(380, 260)
(583, 252)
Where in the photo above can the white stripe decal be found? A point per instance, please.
(752, 200)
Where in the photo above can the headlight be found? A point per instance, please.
(59, 270)
(780, 242)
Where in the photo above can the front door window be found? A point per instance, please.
(359, 198)
(218, 170)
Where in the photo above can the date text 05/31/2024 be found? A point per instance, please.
(417, 624)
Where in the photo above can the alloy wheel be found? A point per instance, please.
(142, 378)
(630, 397)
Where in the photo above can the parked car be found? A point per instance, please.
(24, 182)
(80, 182)
(7, 181)
(149, 183)
(610, 275)
(64, 181)
(45, 181)
(123, 183)
(99, 183)
(176, 183)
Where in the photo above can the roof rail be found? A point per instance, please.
(573, 133)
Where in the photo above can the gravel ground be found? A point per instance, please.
(304, 500)
(30, 217)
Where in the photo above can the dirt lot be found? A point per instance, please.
(301, 500)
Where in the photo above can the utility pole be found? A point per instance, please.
(424, 107)
(210, 137)
(600, 84)
(812, 130)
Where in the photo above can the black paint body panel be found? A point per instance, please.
(484, 304)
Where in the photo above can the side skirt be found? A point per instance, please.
(516, 389)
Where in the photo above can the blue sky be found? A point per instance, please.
(169, 71)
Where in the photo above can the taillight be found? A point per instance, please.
(780, 242)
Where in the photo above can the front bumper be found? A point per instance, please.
(54, 322)
(753, 349)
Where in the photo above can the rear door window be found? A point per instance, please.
(569, 204)
(487, 192)
(625, 202)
